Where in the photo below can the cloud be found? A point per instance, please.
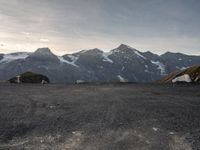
(75, 24)
(25, 33)
(2, 44)
(44, 40)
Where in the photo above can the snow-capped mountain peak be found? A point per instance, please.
(127, 50)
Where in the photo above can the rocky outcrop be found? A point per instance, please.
(29, 77)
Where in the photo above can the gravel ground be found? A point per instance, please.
(99, 117)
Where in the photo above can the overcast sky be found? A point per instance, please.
(67, 26)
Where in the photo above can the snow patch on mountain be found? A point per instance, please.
(139, 55)
(146, 68)
(83, 51)
(181, 68)
(62, 60)
(160, 65)
(73, 58)
(183, 78)
(80, 81)
(114, 51)
(121, 79)
(15, 56)
(137, 52)
(106, 57)
(135, 78)
(122, 68)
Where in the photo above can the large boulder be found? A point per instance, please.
(189, 75)
(29, 77)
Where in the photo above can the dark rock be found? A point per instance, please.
(29, 77)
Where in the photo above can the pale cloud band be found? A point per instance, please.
(44, 40)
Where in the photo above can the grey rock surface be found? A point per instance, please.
(99, 117)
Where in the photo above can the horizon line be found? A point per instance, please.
(18, 51)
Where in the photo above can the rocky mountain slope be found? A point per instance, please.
(121, 64)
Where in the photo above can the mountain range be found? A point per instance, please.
(124, 64)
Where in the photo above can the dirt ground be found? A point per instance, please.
(99, 117)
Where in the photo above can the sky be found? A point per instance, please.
(67, 26)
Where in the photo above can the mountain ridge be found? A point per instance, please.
(99, 49)
(95, 65)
